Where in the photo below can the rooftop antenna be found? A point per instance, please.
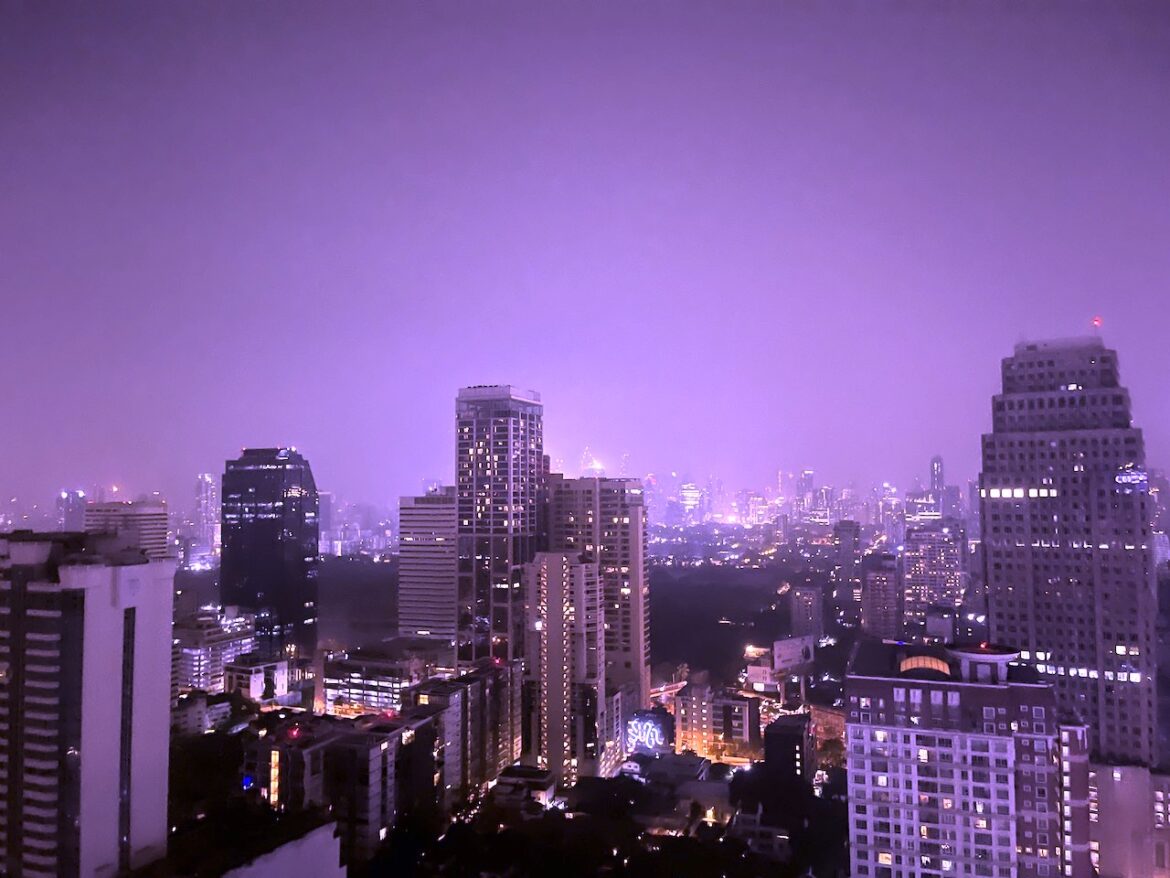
(1096, 323)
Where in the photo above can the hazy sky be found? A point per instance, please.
(721, 237)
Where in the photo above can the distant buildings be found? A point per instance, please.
(270, 541)
(961, 763)
(499, 470)
(847, 541)
(207, 513)
(71, 510)
(85, 659)
(806, 607)
(881, 597)
(206, 642)
(1066, 539)
(142, 522)
(428, 566)
(933, 570)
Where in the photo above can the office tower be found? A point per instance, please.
(961, 763)
(847, 541)
(207, 513)
(142, 522)
(565, 666)
(499, 469)
(428, 565)
(715, 724)
(881, 597)
(85, 660)
(269, 553)
(603, 521)
(790, 751)
(933, 570)
(937, 478)
(1066, 539)
(206, 642)
(71, 510)
(806, 606)
(806, 483)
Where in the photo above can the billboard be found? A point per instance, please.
(650, 731)
(793, 654)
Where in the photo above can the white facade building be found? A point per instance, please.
(427, 559)
(85, 656)
(142, 522)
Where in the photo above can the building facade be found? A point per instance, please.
(881, 597)
(270, 541)
(499, 470)
(142, 522)
(603, 521)
(85, 655)
(1066, 540)
(933, 570)
(428, 565)
(961, 763)
(565, 667)
(206, 642)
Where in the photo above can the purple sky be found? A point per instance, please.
(721, 237)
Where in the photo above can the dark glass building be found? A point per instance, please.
(270, 533)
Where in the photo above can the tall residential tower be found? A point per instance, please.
(499, 473)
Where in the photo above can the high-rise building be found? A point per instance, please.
(565, 666)
(71, 510)
(806, 606)
(937, 476)
(847, 541)
(881, 597)
(1066, 538)
(270, 537)
(207, 514)
(604, 521)
(85, 666)
(141, 522)
(499, 471)
(206, 642)
(933, 570)
(428, 565)
(961, 763)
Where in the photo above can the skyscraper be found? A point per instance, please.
(565, 665)
(1066, 540)
(604, 521)
(806, 608)
(85, 665)
(207, 515)
(141, 522)
(937, 477)
(270, 533)
(427, 564)
(499, 471)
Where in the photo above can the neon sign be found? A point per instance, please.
(645, 734)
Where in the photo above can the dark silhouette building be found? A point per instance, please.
(270, 533)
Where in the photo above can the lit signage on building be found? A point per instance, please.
(645, 732)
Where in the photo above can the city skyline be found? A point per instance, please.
(358, 194)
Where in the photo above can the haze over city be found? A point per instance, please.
(791, 236)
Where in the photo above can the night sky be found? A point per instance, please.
(721, 237)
